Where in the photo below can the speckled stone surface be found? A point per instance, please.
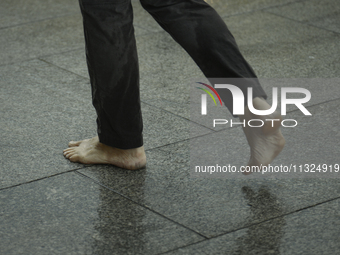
(51, 206)
(210, 206)
(322, 14)
(158, 53)
(69, 214)
(275, 50)
(49, 36)
(235, 7)
(72, 61)
(223, 8)
(311, 231)
(289, 53)
(44, 107)
(230, 146)
(18, 12)
(173, 89)
(221, 204)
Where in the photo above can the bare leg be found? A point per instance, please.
(265, 142)
(91, 151)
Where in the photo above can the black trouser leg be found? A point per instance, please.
(113, 64)
(113, 67)
(198, 28)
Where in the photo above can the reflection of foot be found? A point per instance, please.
(265, 142)
(91, 151)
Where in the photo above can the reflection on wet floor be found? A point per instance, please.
(262, 238)
(51, 206)
(130, 221)
(130, 224)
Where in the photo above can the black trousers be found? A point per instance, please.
(113, 63)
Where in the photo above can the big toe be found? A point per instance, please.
(74, 157)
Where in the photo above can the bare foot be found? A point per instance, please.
(91, 151)
(265, 142)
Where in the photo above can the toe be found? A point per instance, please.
(74, 158)
(74, 144)
(69, 153)
(67, 150)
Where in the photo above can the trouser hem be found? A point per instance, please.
(121, 143)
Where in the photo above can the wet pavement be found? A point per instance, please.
(49, 205)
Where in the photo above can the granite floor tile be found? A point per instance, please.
(315, 139)
(158, 53)
(275, 50)
(143, 19)
(304, 52)
(321, 90)
(43, 107)
(213, 206)
(47, 37)
(223, 8)
(234, 7)
(69, 214)
(323, 14)
(321, 128)
(162, 128)
(73, 61)
(46, 102)
(17, 12)
(312, 231)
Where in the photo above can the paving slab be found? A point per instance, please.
(314, 140)
(232, 7)
(307, 52)
(287, 56)
(210, 206)
(323, 14)
(320, 89)
(46, 37)
(216, 206)
(69, 214)
(311, 231)
(18, 12)
(158, 53)
(49, 36)
(73, 61)
(275, 50)
(44, 107)
(170, 90)
(143, 19)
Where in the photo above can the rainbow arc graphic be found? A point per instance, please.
(204, 97)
